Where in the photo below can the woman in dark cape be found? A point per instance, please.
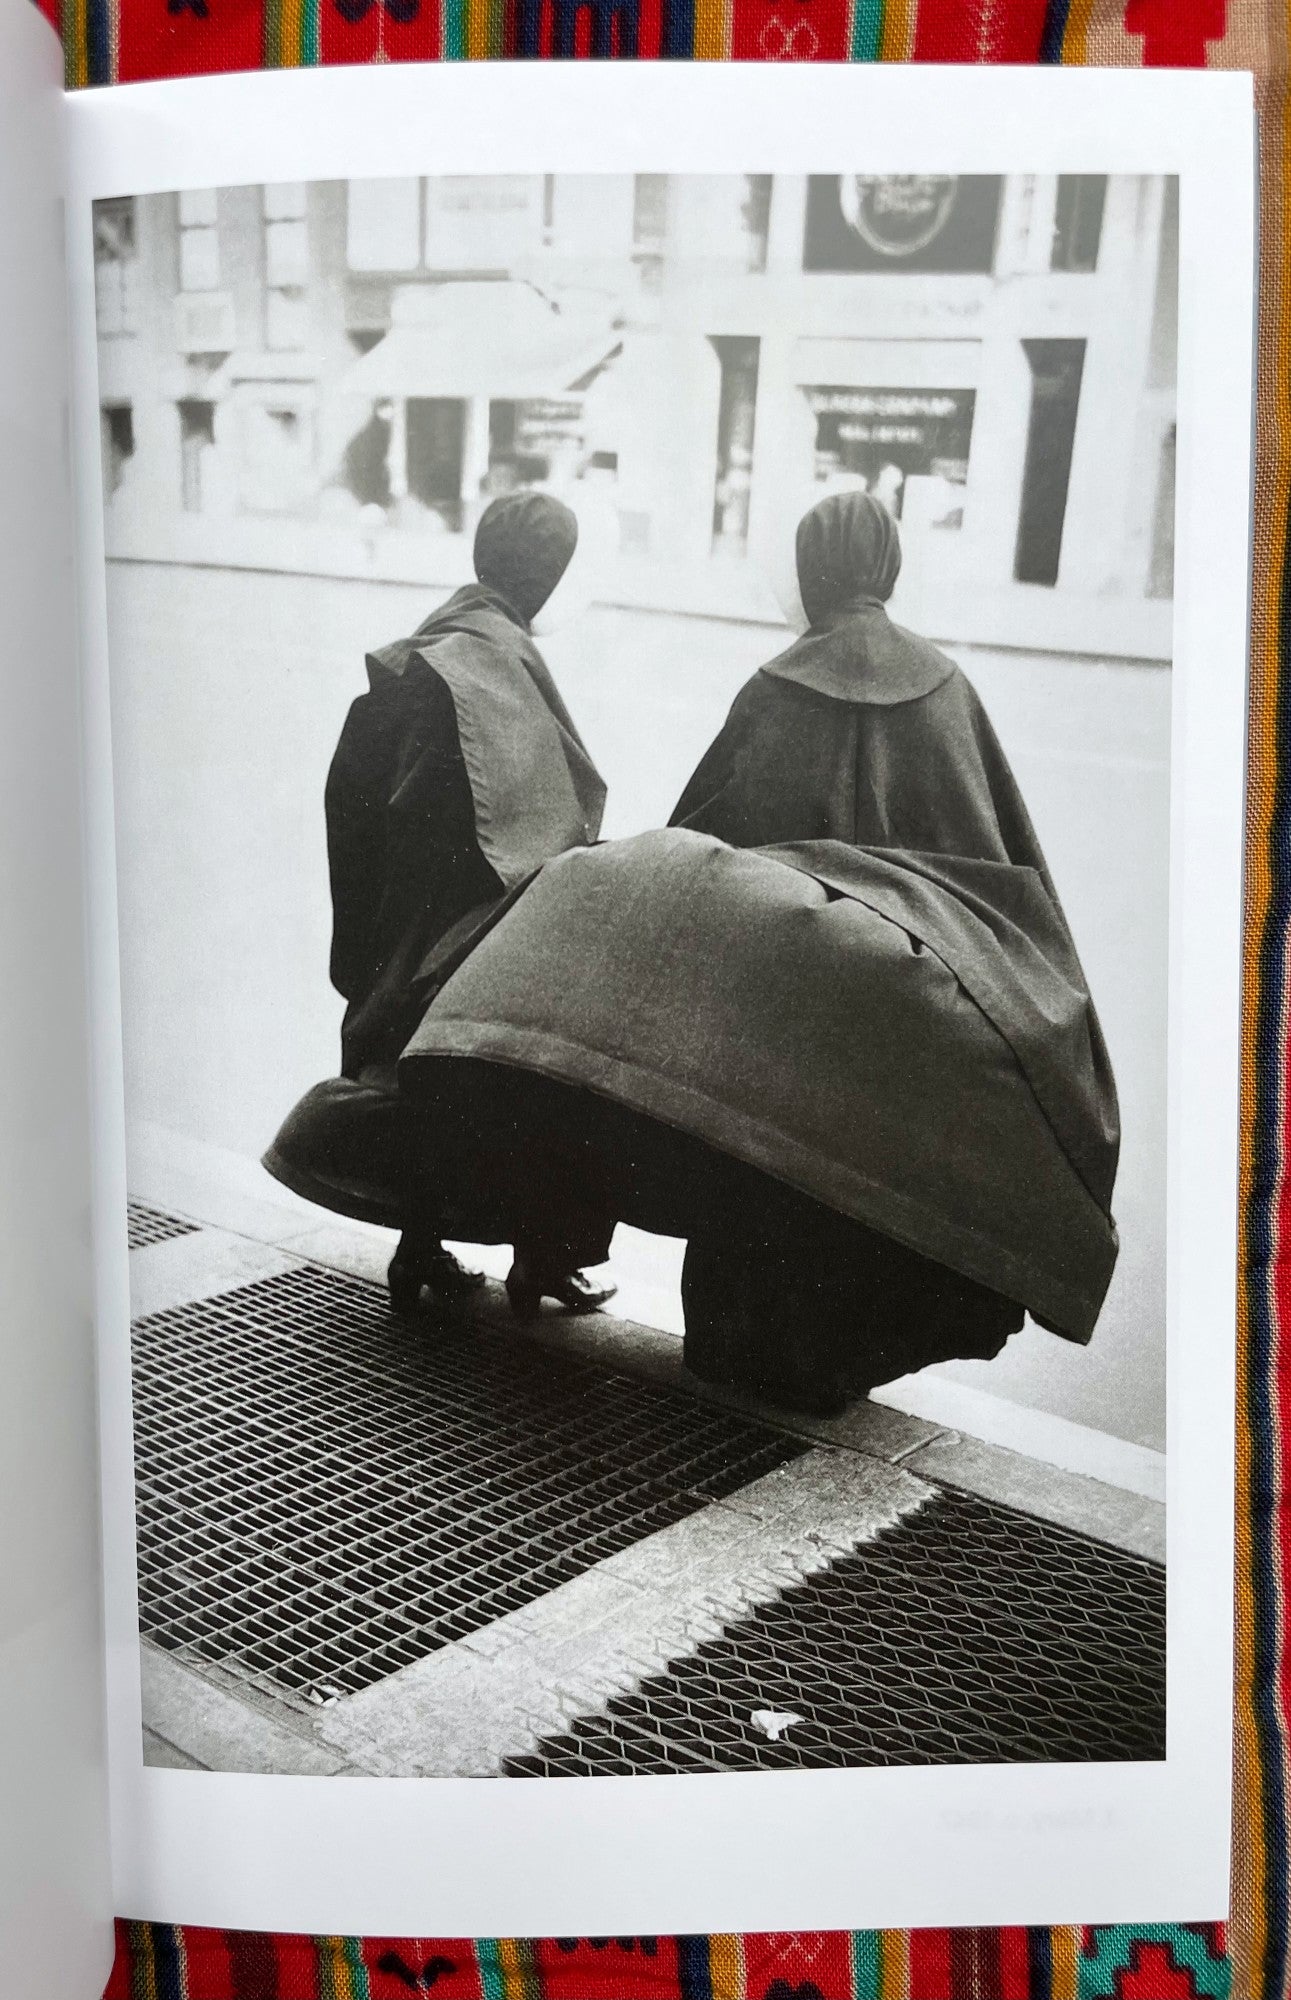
(832, 1028)
(860, 732)
(457, 773)
(865, 734)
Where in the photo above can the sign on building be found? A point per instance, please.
(901, 222)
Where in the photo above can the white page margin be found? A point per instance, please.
(975, 1845)
(55, 1909)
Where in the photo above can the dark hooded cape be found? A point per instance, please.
(906, 1039)
(457, 773)
(862, 733)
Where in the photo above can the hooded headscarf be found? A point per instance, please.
(523, 546)
(849, 555)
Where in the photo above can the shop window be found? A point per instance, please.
(118, 445)
(383, 225)
(437, 455)
(196, 441)
(1078, 222)
(737, 407)
(1161, 562)
(908, 447)
(199, 241)
(1056, 369)
(116, 266)
(901, 222)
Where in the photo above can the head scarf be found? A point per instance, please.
(849, 555)
(523, 546)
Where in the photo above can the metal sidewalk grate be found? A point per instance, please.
(966, 1634)
(324, 1496)
(146, 1225)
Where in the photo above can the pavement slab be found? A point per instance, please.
(464, 1709)
(200, 1265)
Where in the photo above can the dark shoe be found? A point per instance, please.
(577, 1294)
(435, 1271)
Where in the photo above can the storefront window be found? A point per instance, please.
(537, 439)
(901, 222)
(909, 447)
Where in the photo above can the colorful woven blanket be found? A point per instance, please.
(120, 41)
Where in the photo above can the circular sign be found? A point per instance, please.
(897, 214)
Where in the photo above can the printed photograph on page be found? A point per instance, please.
(641, 737)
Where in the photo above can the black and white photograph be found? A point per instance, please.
(641, 759)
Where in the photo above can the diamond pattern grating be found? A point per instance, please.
(968, 1634)
(146, 1225)
(324, 1496)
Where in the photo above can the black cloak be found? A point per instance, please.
(861, 731)
(457, 774)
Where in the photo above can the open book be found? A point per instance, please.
(621, 854)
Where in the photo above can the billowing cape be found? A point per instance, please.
(904, 1037)
(861, 732)
(456, 774)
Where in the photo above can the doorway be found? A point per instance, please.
(1056, 369)
(436, 455)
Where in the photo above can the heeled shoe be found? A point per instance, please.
(437, 1272)
(573, 1291)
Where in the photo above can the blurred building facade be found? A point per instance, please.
(993, 355)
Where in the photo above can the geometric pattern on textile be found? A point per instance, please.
(1152, 1962)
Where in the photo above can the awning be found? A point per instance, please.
(487, 338)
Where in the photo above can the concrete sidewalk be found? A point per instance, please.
(496, 1692)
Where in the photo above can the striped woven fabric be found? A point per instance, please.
(117, 41)
(1157, 1962)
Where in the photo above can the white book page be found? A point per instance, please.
(54, 1895)
(248, 1809)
